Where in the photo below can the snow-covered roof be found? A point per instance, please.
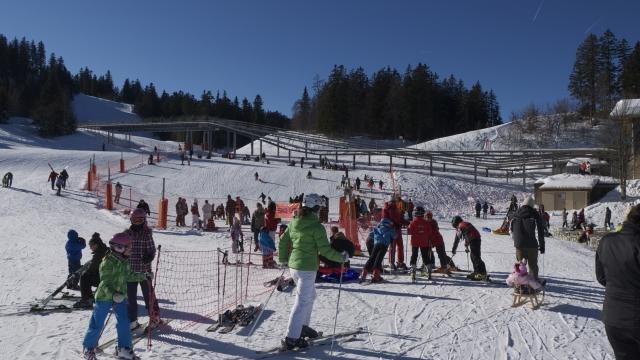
(592, 161)
(568, 181)
(626, 107)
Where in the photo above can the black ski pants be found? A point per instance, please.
(478, 264)
(87, 280)
(132, 298)
(427, 256)
(442, 256)
(625, 342)
(376, 258)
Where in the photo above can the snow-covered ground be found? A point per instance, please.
(449, 318)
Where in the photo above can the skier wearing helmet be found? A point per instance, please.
(300, 245)
(467, 232)
(446, 263)
(382, 236)
(115, 271)
(143, 251)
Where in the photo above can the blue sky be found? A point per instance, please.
(523, 50)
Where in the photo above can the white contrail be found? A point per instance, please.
(592, 25)
(538, 11)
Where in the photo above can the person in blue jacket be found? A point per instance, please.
(382, 235)
(74, 248)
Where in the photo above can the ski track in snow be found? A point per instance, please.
(448, 318)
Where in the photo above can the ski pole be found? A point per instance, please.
(467, 251)
(335, 320)
(255, 323)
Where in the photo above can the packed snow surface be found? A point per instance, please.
(447, 318)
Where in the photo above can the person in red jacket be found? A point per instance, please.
(271, 221)
(422, 234)
(467, 232)
(392, 213)
(446, 263)
(239, 207)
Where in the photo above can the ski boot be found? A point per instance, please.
(363, 275)
(83, 304)
(126, 353)
(413, 271)
(308, 332)
(402, 266)
(134, 325)
(376, 276)
(472, 275)
(89, 354)
(429, 269)
(480, 277)
(290, 343)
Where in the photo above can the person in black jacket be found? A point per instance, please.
(618, 270)
(91, 276)
(144, 206)
(340, 243)
(523, 232)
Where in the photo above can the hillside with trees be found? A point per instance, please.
(416, 105)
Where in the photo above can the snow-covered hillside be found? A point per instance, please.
(448, 318)
(91, 109)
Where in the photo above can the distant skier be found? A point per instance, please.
(270, 220)
(144, 206)
(478, 208)
(91, 276)
(118, 192)
(301, 162)
(410, 210)
(195, 215)
(472, 242)
(112, 291)
(230, 210)
(74, 248)
(564, 218)
(59, 183)
(237, 237)
(372, 205)
(309, 174)
(7, 180)
(608, 225)
(64, 175)
(257, 223)
(358, 182)
(150, 159)
(256, 176)
(206, 212)
(380, 184)
(485, 209)
(52, 177)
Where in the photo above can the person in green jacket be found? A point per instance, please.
(115, 272)
(300, 245)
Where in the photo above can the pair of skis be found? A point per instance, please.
(241, 315)
(321, 340)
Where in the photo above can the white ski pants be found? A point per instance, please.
(305, 296)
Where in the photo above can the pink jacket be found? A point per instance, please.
(520, 276)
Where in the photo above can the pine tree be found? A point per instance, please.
(258, 111)
(302, 112)
(608, 85)
(631, 74)
(583, 81)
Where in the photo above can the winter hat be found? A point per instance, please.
(138, 216)
(72, 235)
(419, 211)
(95, 239)
(120, 239)
(528, 201)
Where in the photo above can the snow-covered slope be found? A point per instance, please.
(448, 318)
(91, 109)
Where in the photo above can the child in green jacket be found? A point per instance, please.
(115, 272)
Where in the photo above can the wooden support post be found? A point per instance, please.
(487, 173)
(234, 144)
(289, 155)
(507, 171)
(369, 162)
(260, 147)
(354, 162)
(444, 167)
(211, 135)
(431, 165)
(475, 170)
(405, 163)
(252, 147)
(336, 158)
(390, 162)
(277, 147)
(306, 147)
(524, 178)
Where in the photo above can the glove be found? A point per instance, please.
(541, 249)
(147, 258)
(118, 297)
(453, 252)
(466, 250)
(345, 256)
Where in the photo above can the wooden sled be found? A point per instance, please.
(523, 294)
